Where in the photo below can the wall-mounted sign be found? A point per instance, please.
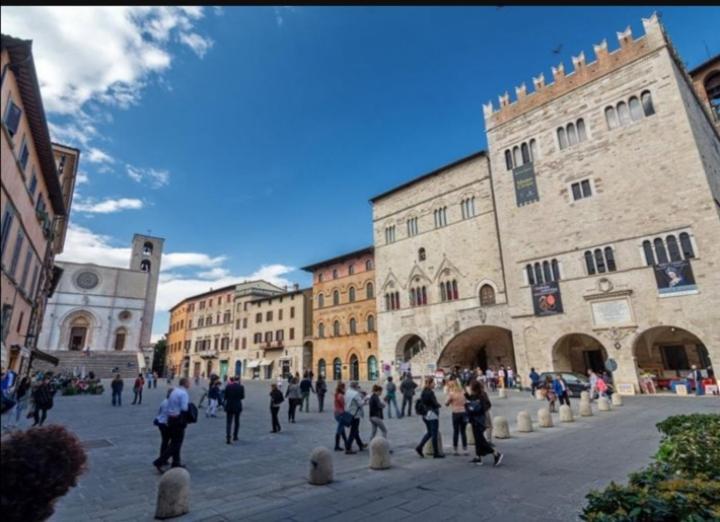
(525, 187)
(546, 299)
(675, 277)
(612, 312)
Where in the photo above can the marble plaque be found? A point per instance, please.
(607, 313)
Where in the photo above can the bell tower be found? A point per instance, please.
(146, 257)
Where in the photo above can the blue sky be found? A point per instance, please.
(252, 138)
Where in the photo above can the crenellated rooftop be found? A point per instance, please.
(605, 62)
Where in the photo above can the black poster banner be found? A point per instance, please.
(546, 298)
(525, 187)
(674, 277)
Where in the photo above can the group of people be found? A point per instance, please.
(19, 394)
(492, 379)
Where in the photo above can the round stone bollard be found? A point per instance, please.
(566, 414)
(173, 498)
(603, 404)
(428, 449)
(544, 418)
(585, 408)
(617, 399)
(502, 393)
(321, 467)
(585, 395)
(501, 429)
(469, 434)
(540, 394)
(379, 453)
(524, 422)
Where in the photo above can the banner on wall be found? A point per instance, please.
(525, 186)
(547, 299)
(675, 277)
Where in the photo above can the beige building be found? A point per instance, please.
(38, 180)
(597, 225)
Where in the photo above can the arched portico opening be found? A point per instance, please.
(408, 347)
(307, 357)
(578, 352)
(479, 346)
(669, 352)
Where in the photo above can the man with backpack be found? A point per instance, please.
(180, 412)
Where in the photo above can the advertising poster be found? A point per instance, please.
(546, 299)
(525, 187)
(675, 277)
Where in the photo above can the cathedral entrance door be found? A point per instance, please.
(77, 338)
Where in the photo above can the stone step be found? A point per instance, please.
(100, 363)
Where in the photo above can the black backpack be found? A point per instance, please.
(420, 407)
(191, 415)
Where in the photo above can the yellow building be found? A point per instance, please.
(344, 317)
(178, 339)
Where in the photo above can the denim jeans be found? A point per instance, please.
(459, 423)
(407, 400)
(116, 398)
(431, 434)
(305, 402)
(393, 402)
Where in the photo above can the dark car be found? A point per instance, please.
(576, 382)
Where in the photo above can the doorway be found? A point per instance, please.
(77, 337)
(595, 360)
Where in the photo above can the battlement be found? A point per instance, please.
(630, 49)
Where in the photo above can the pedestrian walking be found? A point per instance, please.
(390, 398)
(320, 390)
(161, 421)
(138, 389)
(305, 388)
(560, 388)
(475, 409)
(592, 376)
(177, 408)
(234, 395)
(550, 393)
(293, 396)
(376, 411)
(213, 399)
(601, 387)
(43, 400)
(21, 397)
(149, 377)
(456, 401)
(429, 408)
(501, 375)
(276, 399)
(510, 374)
(155, 379)
(696, 377)
(341, 418)
(117, 387)
(407, 388)
(534, 381)
(354, 402)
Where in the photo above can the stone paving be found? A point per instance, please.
(545, 474)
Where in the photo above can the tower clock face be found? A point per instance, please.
(87, 280)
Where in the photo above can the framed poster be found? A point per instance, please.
(526, 190)
(675, 278)
(547, 299)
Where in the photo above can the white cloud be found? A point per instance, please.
(197, 43)
(214, 273)
(280, 12)
(156, 178)
(81, 178)
(181, 259)
(84, 246)
(95, 155)
(107, 206)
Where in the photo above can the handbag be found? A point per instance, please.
(346, 418)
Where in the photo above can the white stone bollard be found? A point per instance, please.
(502, 393)
(540, 394)
(321, 467)
(585, 408)
(428, 449)
(603, 404)
(544, 418)
(501, 428)
(173, 498)
(470, 435)
(617, 399)
(584, 395)
(524, 422)
(566, 414)
(379, 453)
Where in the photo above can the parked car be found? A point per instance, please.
(577, 382)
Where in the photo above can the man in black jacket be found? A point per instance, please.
(407, 388)
(234, 395)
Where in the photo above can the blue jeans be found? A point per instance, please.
(340, 426)
(116, 398)
(431, 433)
(392, 402)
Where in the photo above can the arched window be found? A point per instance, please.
(673, 250)
(443, 292)
(351, 294)
(589, 262)
(508, 160)
(320, 277)
(599, 261)
(336, 297)
(321, 300)
(456, 295)
(423, 295)
(517, 159)
(370, 291)
(660, 251)
(351, 269)
(648, 250)
(530, 275)
(421, 254)
(335, 273)
(611, 117)
(525, 153)
(370, 323)
(120, 335)
(336, 329)
(647, 103)
(145, 265)
(337, 369)
(623, 113)
(368, 264)
(636, 112)
(533, 151)
(610, 259)
(322, 368)
(387, 302)
(547, 274)
(147, 248)
(571, 134)
(412, 297)
(538, 273)
(372, 366)
(354, 368)
(487, 295)
(562, 138)
(555, 270)
(321, 330)
(686, 245)
(353, 326)
(582, 134)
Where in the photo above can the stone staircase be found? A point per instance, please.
(100, 363)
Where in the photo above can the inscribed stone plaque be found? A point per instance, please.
(611, 312)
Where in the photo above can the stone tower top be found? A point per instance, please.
(605, 62)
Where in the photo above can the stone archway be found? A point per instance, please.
(578, 353)
(669, 352)
(77, 331)
(408, 347)
(479, 346)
